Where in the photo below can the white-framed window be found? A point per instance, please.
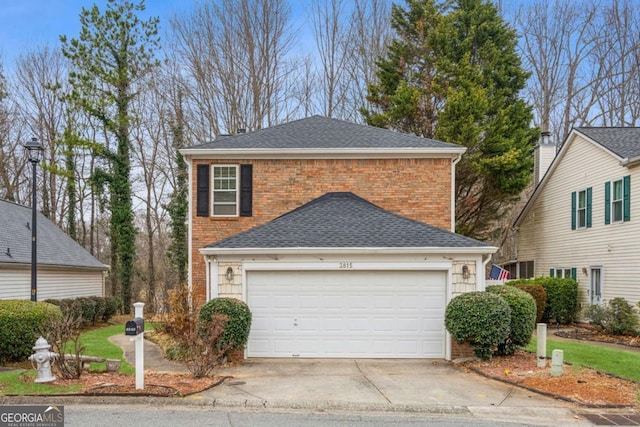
(225, 190)
(581, 211)
(616, 201)
(562, 273)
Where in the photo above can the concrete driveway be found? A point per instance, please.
(434, 386)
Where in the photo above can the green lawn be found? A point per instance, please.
(621, 363)
(96, 343)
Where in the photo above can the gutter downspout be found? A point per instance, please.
(453, 192)
(482, 282)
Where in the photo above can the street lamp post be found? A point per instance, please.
(34, 149)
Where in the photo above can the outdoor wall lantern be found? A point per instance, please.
(465, 272)
(34, 149)
(229, 274)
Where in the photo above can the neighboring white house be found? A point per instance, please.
(583, 221)
(65, 269)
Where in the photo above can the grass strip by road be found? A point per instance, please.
(621, 363)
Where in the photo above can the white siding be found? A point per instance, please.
(15, 283)
(545, 235)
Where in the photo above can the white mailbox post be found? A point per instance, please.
(135, 328)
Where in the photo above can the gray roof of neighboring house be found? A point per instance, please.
(624, 142)
(322, 133)
(344, 220)
(55, 248)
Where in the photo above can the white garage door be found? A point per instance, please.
(360, 314)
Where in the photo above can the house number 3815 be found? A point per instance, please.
(345, 265)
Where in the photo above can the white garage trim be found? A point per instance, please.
(415, 330)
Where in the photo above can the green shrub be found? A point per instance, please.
(88, 308)
(236, 331)
(71, 307)
(617, 317)
(523, 317)
(481, 318)
(562, 298)
(112, 308)
(539, 296)
(21, 323)
(101, 306)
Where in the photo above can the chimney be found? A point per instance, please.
(544, 153)
(240, 130)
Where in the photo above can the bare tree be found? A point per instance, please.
(234, 53)
(370, 32)
(617, 57)
(556, 47)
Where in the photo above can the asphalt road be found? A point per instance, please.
(144, 416)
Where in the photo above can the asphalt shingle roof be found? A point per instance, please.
(344, 220)
(322, 133)
(54, 246)
(624, 142)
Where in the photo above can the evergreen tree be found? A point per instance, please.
(453, 74)
(114, 51)
(179, 204)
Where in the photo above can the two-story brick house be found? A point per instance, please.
(338, 236)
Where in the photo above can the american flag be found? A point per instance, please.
(498, 273)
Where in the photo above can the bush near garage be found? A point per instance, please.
(480, 318)
(236, 331)
(616, 317)
(21, 323)
(562, 298)
(523, 317)
(539, 295)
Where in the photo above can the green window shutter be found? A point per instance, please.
(607, 203)
(574, 273)
(552, 272)
(573, 211)
(626, 198)
(589, 191)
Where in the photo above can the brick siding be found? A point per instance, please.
(415, 188)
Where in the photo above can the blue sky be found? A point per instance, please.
(25, 24)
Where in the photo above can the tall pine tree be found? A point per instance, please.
(452, 73)
(114, 51)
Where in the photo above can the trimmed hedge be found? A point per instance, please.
(523, 317)
(481, 318)
(21, 323)
(562, 298)
(539, 296)
(90, 309)
(236, 331)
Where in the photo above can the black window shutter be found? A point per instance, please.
(246, 190)
(202, 190)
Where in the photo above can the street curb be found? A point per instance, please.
(198, 401)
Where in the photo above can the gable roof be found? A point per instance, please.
(321, 134)
(55, 248)
(621, 143)
(343, 220)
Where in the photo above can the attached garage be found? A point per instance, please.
(342, 278)
(363, 314)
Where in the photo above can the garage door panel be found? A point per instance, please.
(346, 313)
